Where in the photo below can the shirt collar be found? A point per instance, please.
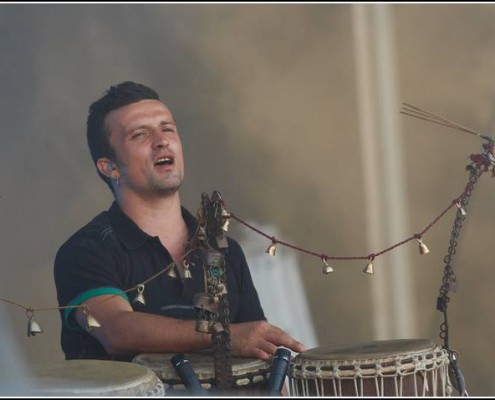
(131, 235)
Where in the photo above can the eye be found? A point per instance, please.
(138, 134)
(169, 129)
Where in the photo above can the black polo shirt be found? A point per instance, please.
(112, 254)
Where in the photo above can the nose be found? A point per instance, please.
(160, 139)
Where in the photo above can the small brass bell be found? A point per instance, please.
(171, 272)
(225, 225)
(216, 327)
(221, 289)
(33, 327)
(139, 299)
(423, 248)
(201, 234)
(91, 322)
(202, 325)
(226, 220)
(369, 268)
(187, 271)
(463, 211)
(272, 249)
(326, 267)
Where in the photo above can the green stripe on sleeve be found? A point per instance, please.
(71, 323)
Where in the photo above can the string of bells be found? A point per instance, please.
(483, 162)
(369, 268)
(33, 327)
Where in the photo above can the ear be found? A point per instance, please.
(108, 168)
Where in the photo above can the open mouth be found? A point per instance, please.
(163, 161)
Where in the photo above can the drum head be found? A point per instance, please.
(202, 364)
(93, 378)
(369, 350)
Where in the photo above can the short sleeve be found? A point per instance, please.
(83, 269)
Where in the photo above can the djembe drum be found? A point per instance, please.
(404, 367)
(249, 374)
(88, 378)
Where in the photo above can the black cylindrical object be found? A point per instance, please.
(187, 375)
(278, 372)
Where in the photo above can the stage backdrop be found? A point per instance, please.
(269, 104)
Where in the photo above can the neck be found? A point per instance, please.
(160, 217)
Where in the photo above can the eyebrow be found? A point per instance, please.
(144, 126)
(168, 123)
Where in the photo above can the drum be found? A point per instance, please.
(249, 374)
(403, 367)
(85, 378)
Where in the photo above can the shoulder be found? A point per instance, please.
(234, 246)
(98, 230)
(235, 255)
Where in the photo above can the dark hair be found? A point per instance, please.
(117, 96)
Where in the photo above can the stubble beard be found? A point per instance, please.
(166, 186)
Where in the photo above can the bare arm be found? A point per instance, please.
(124, 331)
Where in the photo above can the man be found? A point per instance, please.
(137, 151)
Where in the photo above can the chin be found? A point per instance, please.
(167, 190)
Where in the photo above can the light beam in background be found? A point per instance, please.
(381, 152)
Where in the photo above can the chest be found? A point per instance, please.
(166, 295)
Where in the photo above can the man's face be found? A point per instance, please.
(147, 148)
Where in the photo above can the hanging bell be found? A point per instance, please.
(272, 249)
(225, 225)
(91, 322)
(202, 325)
(139, 299)
(326, 267)
(201, 236)
(171, 272)
(216, 327)
(187, 274)
(463, 211)
(221, 289)
(33, 327)
(369, 268)
(187, 271)
(423, 248)
(226, 220)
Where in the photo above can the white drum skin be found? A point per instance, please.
(88, 378)
(249, 374)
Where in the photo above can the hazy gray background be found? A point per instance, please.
(266, 101)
